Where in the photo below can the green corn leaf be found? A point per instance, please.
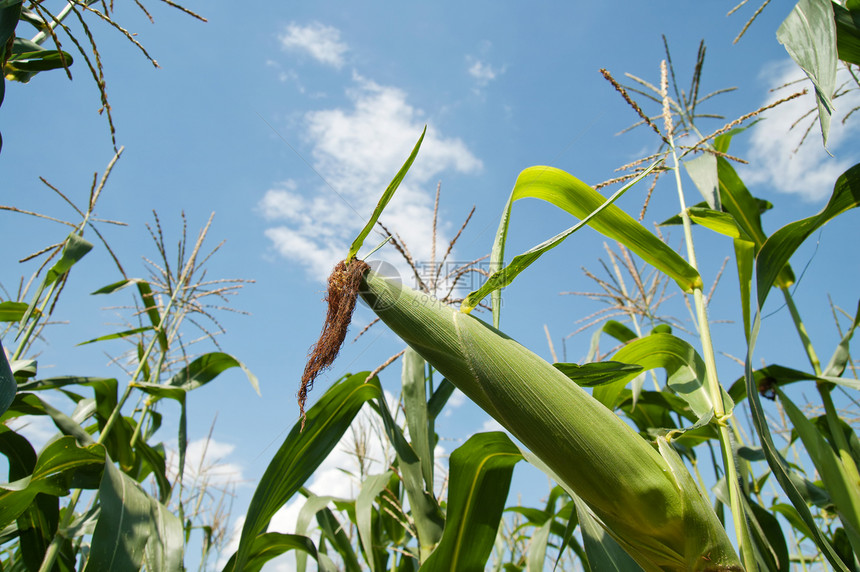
(625, 482)
(117, 336)
(602, 550)
(809, 37)
(60, 466)
(43, 60)
(333, 530)
(425, 508)
(703, 172)
(8, 386)
(74, 248)
(778, 249)
(774, 460)
(480, 476)
(273, 544)
(572, 195)
(310, 508)
(206, 368)
(12, 311)
(683, 365)
(598, 373)
(386, 196)
(417, 419)
(132, 525)
(440, 398)
(839, 484)
(847, 33)
(300, 455)
(839, 359)
(536, 555)
(371, 486)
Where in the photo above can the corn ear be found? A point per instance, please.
(645, 502)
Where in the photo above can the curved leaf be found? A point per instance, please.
(480, 475)
(809, 37)
(60, 466)
(572, 195)
(370, 489)
(779, 248)
(301, 454)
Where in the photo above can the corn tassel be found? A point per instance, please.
(648, 503)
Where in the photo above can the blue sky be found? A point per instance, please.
(287, 121)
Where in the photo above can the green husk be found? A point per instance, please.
(649, 504)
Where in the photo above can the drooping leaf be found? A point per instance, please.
(703, 172)
(809, 37)
(572, 195)
(480, 475)
(778, 249)
(206, 368)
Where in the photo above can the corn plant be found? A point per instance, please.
(83, 500)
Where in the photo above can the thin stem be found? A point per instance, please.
(712, 381)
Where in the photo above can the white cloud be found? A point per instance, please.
(206, 464)
(319, 41)
(482, 72)
(358, 150)
(492, 425)
(809, 172)
(457, 399)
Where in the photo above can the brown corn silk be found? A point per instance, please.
(343, 285)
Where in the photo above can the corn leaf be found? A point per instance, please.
(12, 311)
(847, 33)
(129, 521)
(602, 550)
(8, 386)
(703, 172)
(598, 373)
(684, 367)
(572, 195)
(776, 252)
(839, 359)
(300, 455)
(842, 488)
(480, 476)
(371, 486)
(504, 276)
(75, 247)
(60, 466)
(625, 482)
(273, 544)
(425, 508)
(809, 37)
(386, 196)
(417, 419)
(774, 460)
